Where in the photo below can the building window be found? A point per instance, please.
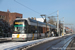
(2, 17)
(18, 17)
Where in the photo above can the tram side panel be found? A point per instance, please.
(30, 32)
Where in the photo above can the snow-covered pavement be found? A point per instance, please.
(8, 38)
(15, 45)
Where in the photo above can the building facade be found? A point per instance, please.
(9, 17)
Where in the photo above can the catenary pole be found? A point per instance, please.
(58, 23)
(63, 26)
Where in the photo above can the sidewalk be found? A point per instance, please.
(6, 39)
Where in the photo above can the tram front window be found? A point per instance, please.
(19, 27)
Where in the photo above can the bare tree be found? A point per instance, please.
(52, 20)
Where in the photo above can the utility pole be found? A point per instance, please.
(58, 23)
(63, 27)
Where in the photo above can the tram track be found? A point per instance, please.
(71, 45)
(49, 43)
(58, 48)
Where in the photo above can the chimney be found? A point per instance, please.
(8, 11)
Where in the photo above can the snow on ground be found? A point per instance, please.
(11, 45)
(8, 38)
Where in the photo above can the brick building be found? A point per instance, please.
(9, 17)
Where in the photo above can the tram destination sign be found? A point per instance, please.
(19, 22)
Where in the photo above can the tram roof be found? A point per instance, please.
(35, 21)
(31, 20)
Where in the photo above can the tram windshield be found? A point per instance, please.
(19, 26)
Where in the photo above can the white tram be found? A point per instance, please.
(29, 29)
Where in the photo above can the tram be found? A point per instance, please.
(29, 29)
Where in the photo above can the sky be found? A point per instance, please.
(34, 8)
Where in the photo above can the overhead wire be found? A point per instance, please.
(28, 7)
(53, 13)
(31, 9)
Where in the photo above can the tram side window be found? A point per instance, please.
(32, 29)
(40, 30)
(36, 29)
(26, 26)
(29, 28)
